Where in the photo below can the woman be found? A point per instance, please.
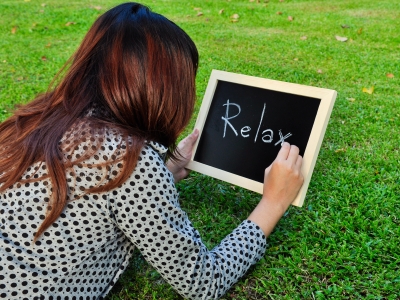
(83, 179)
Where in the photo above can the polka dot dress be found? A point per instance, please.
(83, 253)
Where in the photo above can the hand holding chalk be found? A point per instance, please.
(282, 182)
(283, 178)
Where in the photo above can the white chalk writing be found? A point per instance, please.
(268, 134)
(228, 118)
(282, 138)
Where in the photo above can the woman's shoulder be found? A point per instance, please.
(100, 159)
(157, 147)
(87, 139)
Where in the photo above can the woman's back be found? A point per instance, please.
(83, 250)
(88, 247)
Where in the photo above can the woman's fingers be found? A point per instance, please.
(186, 145)
(289, 153)
(293, 155)
(299, 161)
(184, 154)
(192, 138)
(284, 152)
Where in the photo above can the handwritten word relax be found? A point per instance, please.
(267, 134)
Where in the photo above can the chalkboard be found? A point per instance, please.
(244, 120)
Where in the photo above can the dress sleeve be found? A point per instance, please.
(147, 210)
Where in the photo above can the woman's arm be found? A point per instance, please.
(147, 210)
(282, 182)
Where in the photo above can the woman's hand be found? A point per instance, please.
(185, 148)
(283, 178)
(282, 182)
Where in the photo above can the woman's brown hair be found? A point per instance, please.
(135, 70)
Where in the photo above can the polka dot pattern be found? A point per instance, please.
(83, 253)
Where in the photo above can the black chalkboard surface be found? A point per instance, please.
(243, 125)
(244, 120)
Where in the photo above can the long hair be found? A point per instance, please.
(135, 71)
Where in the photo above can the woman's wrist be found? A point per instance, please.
(267, 214)
(177, 171)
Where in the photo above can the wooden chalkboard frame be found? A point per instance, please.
(314, 143)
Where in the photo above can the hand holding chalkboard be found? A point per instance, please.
(244, 120)
(184, 153)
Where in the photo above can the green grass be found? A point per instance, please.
(344, 242)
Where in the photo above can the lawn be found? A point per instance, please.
(344, 242)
